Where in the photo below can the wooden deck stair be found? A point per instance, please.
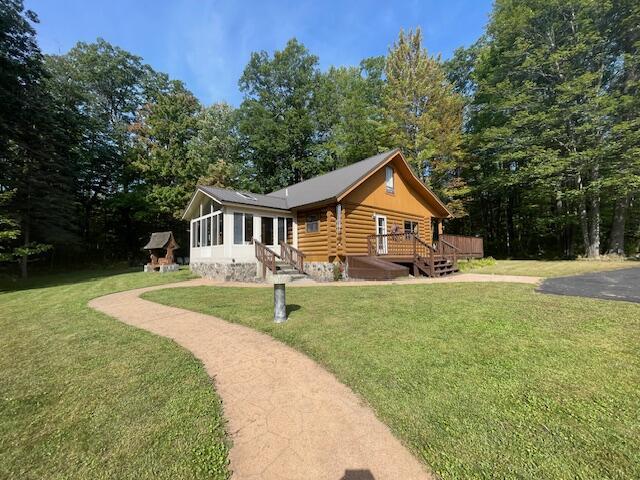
(441, 266)
(407, 248)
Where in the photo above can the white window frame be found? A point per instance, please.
(201, 230)
(381, 245)
(389, 179)
(244, 223)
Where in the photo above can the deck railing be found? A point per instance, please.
(468, 247)
(292, 256)
(266, 257)
(397, 245)
(410, 246)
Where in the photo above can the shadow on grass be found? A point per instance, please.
(292, 308)
(9, 284)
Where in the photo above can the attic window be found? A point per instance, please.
(247, 196)
(389, 179)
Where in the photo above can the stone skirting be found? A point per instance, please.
(226, 271)
(321, 271)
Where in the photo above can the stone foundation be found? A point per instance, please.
(227, 271)
(174, 267)
(321, 271)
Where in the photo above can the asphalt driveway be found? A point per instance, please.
(612, 285)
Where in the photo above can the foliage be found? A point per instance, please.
(479, 380)
(424, 117)
(163, 130)
(546, 119)
(475, 263)
(279, 120)
(356, 111)
(531, 136)
(9, 229)
(34, 141)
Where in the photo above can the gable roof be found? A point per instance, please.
(160, 240)
(329, 187)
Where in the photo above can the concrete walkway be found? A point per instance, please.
(288, 418)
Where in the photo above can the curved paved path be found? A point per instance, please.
(288, 418)
(621, 284)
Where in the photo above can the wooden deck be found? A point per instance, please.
(435, 260)
(468, 247)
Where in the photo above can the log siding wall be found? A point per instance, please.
(315, 245)
(358, 209)
(360, 224)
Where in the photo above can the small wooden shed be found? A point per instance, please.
(161, 247)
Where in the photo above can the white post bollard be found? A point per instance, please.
(279, 298)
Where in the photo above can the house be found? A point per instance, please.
(374, 217)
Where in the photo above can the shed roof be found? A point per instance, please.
(159, 240)
(245, 198)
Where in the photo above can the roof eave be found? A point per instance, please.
(193, 197)
(444, 210)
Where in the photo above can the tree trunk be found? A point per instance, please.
(616, 240)
(24, 260)
(584, 224)
(594, 226)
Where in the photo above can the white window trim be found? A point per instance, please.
(387, 178)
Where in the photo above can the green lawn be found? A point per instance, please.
(85, 396)
(544, 268)
(479, 380)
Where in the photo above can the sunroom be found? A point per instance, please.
(223, 231)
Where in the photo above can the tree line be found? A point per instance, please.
(530, 135)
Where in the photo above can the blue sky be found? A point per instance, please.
(207, 43)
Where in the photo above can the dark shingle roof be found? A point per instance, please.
(330, 185)
(159, 240)
(316, 190)
(245, 198)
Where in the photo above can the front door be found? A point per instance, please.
(381, 231)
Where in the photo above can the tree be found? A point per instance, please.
(424, 116)
(164, 130)
(354, 108)
(622, 178)
(279, 121)
(33, 145)
(215, 147)
(107, 86)
(542, 123)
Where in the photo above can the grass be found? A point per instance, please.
(542, 268)
(85, 396)
(479, 380)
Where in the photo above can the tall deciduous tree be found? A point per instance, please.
(215, 148)
(354, 107)
(279, 119)
(424, 116)
(551, 124)
(163, 131)
(102, 87)
(622, 175)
